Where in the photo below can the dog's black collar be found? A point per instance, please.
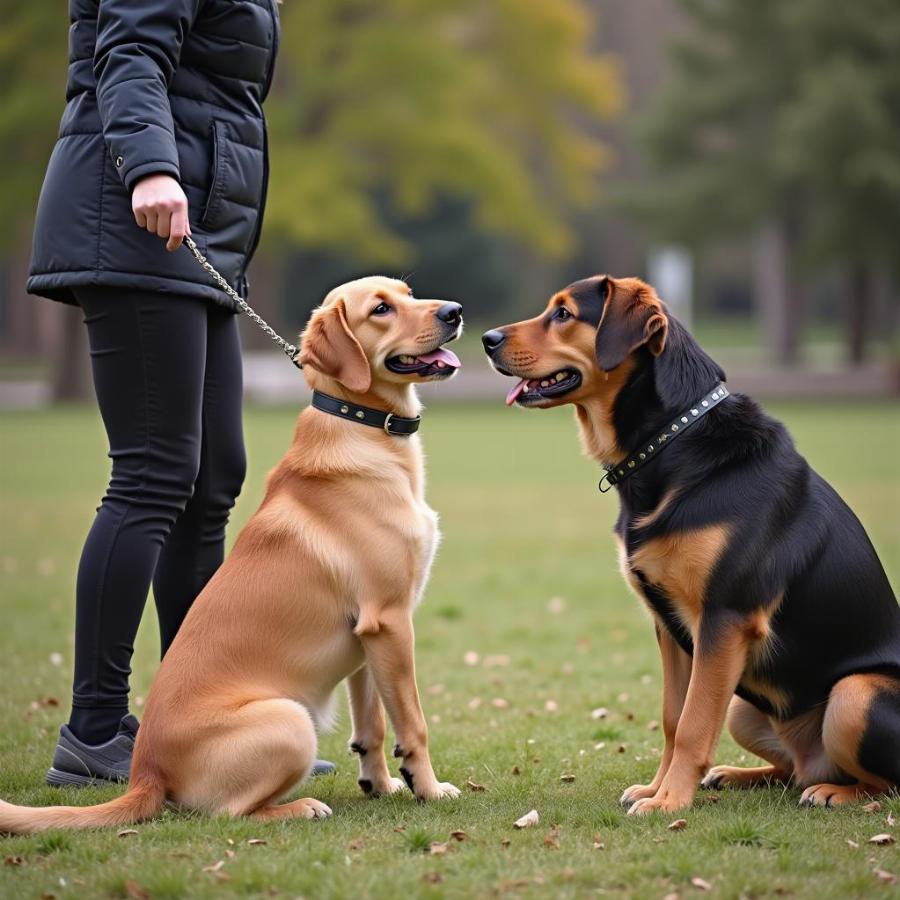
(388, 422)
(656, 444)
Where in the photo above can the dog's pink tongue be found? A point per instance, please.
(448, 357)
(511, 396)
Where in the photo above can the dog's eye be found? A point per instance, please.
(381, 310)
(562, 314)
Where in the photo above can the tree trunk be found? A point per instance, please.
(859, 308)
(778, 298)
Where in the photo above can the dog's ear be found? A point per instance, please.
(632, 317)
(330, 347)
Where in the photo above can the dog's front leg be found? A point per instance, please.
(720, 653)
(367, 712)
(676, 672)
(388, 641)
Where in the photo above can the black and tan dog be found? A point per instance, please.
(770, 604)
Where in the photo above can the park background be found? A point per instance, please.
(743, 156)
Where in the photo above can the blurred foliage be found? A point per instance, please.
(418, 99)
(784, 112)
(414, 100)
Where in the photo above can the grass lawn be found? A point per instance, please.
(526, 579)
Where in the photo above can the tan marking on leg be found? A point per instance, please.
(676, 666)
(681, 565)
(753, 731)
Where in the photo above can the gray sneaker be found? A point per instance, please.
(78, 764)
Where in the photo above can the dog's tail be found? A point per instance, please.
(142, 800)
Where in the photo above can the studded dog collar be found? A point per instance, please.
(388, 422)
(656, 444)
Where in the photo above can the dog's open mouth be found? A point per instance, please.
(530, 390)
(439, 363)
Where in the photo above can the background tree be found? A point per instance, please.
(781, 120)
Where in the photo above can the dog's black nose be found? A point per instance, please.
(492, 341)
(451, 313)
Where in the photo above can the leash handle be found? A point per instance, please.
(290, 350)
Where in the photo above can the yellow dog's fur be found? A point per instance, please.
(320, 587)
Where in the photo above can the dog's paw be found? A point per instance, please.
(659, 802)
(442, 790)
(832, 794)
(311, 808)
(636, 792)
(381, 788)
(734, 777)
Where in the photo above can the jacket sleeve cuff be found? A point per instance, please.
(159, 167)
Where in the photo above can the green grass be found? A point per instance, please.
(523, 524)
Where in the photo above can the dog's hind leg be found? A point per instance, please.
(861, 736)
(753, 731)
(262, 750)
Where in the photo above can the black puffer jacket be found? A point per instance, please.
(172, 86)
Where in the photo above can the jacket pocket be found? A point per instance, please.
(213, 208)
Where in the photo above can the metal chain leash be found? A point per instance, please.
(290, 350)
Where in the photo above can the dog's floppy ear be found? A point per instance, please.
(632, 317)
(329, 347)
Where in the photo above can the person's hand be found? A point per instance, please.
(160, 206)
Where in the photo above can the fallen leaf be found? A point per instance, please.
(126, 832)
(600, 712)
(659, 840)
(474, 703)
(56, 659)
(48, 895)
(528, 820)
(890, 820)
(215, 867)
(652, 725)
(567, 874)
(852, 844)
(432, 878)
(475, 786)
(14, 861)
(400, 828)
(551, 706)
(551, 841)
(885, 877)
(51, 701)
(500, 703)
(874, 806)
(623, 697)
(672, 896)
(516, 770)
(135, 891)
(471, 658)
(357, 844)
(701, 885)
(556, 605)
(458, 835)
(678, 825)
(567, 777)
(256, 841)
(505, 842)
(598, 842)
(230, 854)
(230, 842)
(713, 798)
(437, 848)
(882, 839)
(622, 748)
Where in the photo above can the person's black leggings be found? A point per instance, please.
(167, 373)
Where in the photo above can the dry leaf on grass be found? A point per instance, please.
(516, 770)
(437, 848)
(874, 806)
(852, 844)
(505, 842)
(135, 891)
(672, 896)
(886, 877)
(701, 884)
(432, 878)
(14, 861)
(882, 839)
(471, 658)
(678, 825)
(254, 842)
(475, 786)
(458, 835)
(500, 703)
(551, 841)
(652, 725)
(215, 867)
(600, 712)
(598, 842)
(126, 832)
(890, 820)
(230, 854)
(357, 844)
(567, 777)
(528, 820)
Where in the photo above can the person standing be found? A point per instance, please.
(163, 136)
